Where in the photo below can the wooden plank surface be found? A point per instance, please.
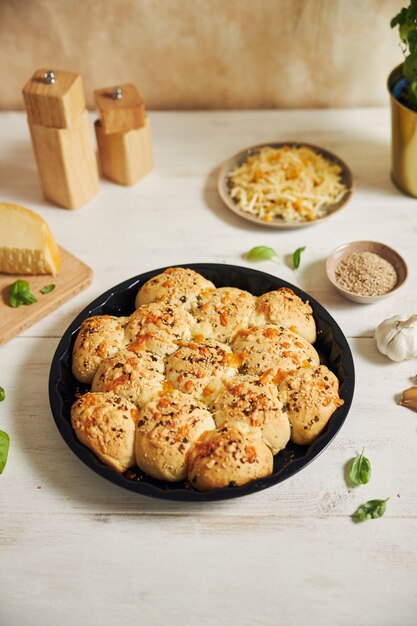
(73, 277)
(80, 550)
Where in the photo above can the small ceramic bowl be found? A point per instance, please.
(382, 250)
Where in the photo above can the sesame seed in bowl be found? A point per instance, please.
(366, 271)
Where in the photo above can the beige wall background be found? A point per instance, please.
(194, 54)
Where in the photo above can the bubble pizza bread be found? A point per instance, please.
(285, 308)
(220, 313)
(100, 337)
(176, 285)
(254, 401)
(157, 327)
(311, 396)
(105, 423)
(198, 367)
(231, 455)
(167, 429)
(182, 406)
(137, 376)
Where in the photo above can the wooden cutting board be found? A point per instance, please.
(73, 277)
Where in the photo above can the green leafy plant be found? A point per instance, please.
(19, 294)
(261, 253)
(2, 394)
(4, 449)
(406, 20)
(360, 472)
(296, 257)
(371, 510)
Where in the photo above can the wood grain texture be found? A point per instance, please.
(87, 552)
(56, 105)
(73, 277)
(120, 115)
(125, 157)
(66, 162)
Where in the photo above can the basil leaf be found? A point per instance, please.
(20, 286)
(296, 257)
(14, 301)
(27, 298)
(19, 294)
(4, 449)
(371, 510)
(360, 472)
(2, 394)
(47, 288)
(261, 253)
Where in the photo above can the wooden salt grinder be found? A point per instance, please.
(123, 134)
(61, 137)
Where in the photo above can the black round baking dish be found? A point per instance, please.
(119, 300)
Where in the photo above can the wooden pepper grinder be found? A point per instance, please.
(61, 137)
(123, 134)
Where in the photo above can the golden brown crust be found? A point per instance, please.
(198, 368)
(158, 327)
(311, 396)
(273, 350)
(105, 423)
(166, 430)
(248, 399)
(100, 337)
(135, 376)
(284, 308)
(171, 365)
(221, 313)
(232, 456)
(176, 285)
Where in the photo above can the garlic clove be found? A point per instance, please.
(409, 398)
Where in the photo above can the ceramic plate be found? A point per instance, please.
(223, 184)
(119, 300)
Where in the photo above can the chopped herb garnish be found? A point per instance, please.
(261, 253)
(296, 257)
(47, 288)
(19, 294)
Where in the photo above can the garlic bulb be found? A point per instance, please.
(397, 337)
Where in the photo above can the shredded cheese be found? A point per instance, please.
(295, 184)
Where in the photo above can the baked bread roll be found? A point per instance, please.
(230, 456)
(248, 399)
(166, 430)
(311, 396)
(274, 350)
(198, 368)
(158, 327)
(105, 423)
(284, 308)
(135, 376)
(176, 285)
(99, 338)
(221, 313)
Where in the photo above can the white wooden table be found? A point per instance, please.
(76, 550)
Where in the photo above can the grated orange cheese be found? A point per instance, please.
(295, 184)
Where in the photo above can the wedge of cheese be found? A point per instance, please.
(27, 245)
